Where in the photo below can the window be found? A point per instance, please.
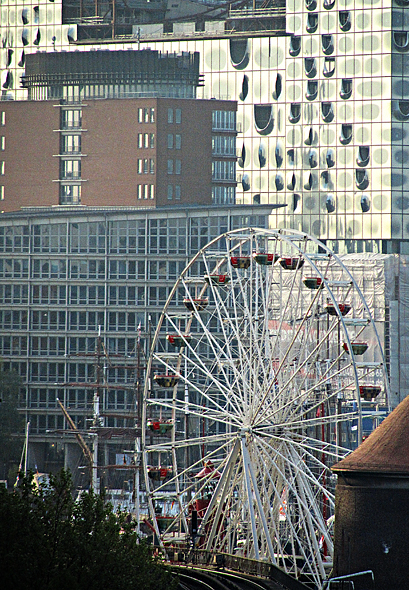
(70, 194)
(312, 90)
(311, 4)
(151, 140)
(170, 141)
(139, 191)
(145, 166)
(178, 141)
(310, 67)
(2, 168)
(363, 156)
(146, 140)
(170, 166)
(170, 115)
(295, 45)
(71, 118)
(2, 143)
(312, 22)
(327, 111)
(224, 120)
(346, 133)
(140, 140)
(151, 166)
(178, 115)
(361, 179)
(151, 191)
(177, 192)
(139, 166)
(295, 112)
(140, 115)
(1, 193)
(327, 44)
(152, 115)
(170, 191)
(70, 169)
(329, 67)
(346, 88)
(178, 166)
(344, 20)
(70, 144)
(3, 119)
(146, 115)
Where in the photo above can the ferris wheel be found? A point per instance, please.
(262, 359)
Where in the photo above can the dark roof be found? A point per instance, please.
(386, 450)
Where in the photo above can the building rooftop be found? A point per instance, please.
(386, 450)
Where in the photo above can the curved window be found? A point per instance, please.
(312, 90)
(71, 34)
(310, 137)
(244, 88)
(363, 156)
(325, 180)
(295, 45)
(310, 182)
(245, 182)
(262, 155)
(279, 182)
(346, 88)
(8, 82)
(242, 158)
(312, 22)
(362, 179)
(24, 37)
(278, 87)
(36, 10)
(310, 4)
(401, 41)
(22, 59)
(402, 2)
(400, 109)
(24, 16)
(330, 158)
(279, 155)
(310, 67)
(295, 112)
(9, 57)
(344, 20)
(292, 183)
(327, 111)
(329, 67)
(38, 38)
(263, 118)
(296, 200)
(313, 158)
(346, 133)
(330, 203)
(327, 44)
(365, 203)
(291, 156)
(328, 4)
(239, 53)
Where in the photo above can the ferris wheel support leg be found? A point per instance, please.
(250, 471)
(223, 483)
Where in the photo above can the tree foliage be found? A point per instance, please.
(48, 541)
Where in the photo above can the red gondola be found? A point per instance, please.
(178, 340)
(160, 473)
(291, 263)
(344, 308)
(265, 259)
(166, 380)
(160, 426)
(358, 348)
(369, 392)
(240, 261)
(217, 279)
(198, 304)
(313, 282)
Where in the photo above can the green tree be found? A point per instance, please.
(48, 541)
(11, 422)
